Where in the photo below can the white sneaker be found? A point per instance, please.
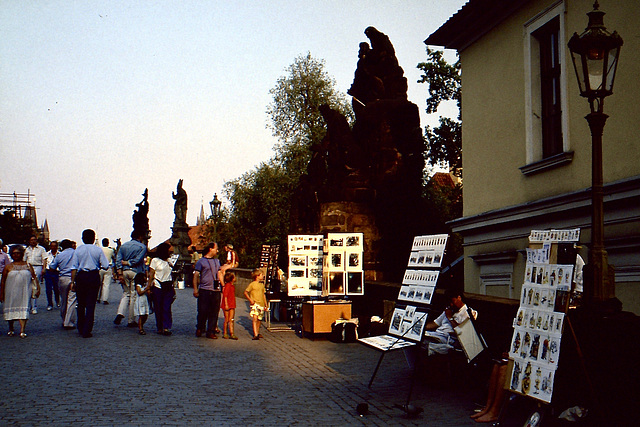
(49, 308)
(34, 311)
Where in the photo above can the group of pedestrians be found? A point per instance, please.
(76, 279)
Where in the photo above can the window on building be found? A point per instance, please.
(546, 92)
(551, 108)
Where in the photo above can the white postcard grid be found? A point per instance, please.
(305, 265)
(537, 328)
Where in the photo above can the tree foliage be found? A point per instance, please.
(294, 112)
(444, 143)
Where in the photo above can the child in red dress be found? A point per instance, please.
(229, 305)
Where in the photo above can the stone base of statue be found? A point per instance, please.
(354, 217)
(181, 241)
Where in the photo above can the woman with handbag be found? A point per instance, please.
(19, 284)
(162, 290)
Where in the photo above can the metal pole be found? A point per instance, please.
(601, 288)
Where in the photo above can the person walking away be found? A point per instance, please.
(51, 277)
(66, 265)
(229, 305)
(162, 291)
(90, 260)
(129, 262)
(257, 297)
(207, 286)
(16, 290)
(34, 255)
(106, 276)
(141, 308)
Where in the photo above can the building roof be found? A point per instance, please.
(194, 235)
(442, 179)
(472, 21)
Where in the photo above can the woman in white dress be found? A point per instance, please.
(16, 291)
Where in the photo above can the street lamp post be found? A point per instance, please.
(215, 205)
(595, 59)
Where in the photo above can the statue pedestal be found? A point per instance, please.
(354, 217)
(180, 241)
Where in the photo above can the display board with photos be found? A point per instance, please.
(305, 265)
(414, 298)
(343, 270)
(269, 262)
(539, 322)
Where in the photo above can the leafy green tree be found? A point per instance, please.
(444, 143)
(295, 116)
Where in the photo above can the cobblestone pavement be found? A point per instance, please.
(54, 377)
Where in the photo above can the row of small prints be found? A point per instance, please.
(539, 320)
(535, 347)
(305, 245)
(535, 296)
(569, 235)
(416, 293)
(557, 276)
(532, 379)
(420, 277)
(426, 258)
(342, 240)
(431, 242)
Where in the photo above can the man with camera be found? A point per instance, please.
(207, 279)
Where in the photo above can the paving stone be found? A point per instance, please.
(54, 377)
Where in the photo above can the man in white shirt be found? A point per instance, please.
(35, 255)
(440, 334)
(106, 275)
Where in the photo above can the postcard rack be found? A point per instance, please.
(541, 317)
(330, 266)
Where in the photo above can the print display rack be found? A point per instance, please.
(330, 266)
(538, 325)
(414, 298)
(342, 273)
(305, 265)
(269, 262)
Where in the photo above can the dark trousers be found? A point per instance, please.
(51, 279)
(208, 309)
(162, 300)
(87, 288)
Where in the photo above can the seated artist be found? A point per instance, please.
(440, 336)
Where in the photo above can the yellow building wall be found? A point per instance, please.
(493, 112)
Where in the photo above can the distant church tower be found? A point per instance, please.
(201, 218)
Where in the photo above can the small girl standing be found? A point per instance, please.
(141, 307)
(229, 305)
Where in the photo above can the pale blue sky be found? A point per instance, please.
(102, 99)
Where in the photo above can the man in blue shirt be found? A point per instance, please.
(129, 262)
(207, 279)
(64, 262)
(90, 260)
